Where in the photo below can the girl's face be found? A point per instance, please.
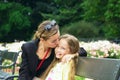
(62, 49)
(53, 41)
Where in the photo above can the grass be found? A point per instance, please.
(79, 78)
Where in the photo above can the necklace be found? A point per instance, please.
(41, 62)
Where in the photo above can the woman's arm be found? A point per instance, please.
(82, 52)
(68, 57)
(23, 72)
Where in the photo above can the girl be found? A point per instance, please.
(59, 70)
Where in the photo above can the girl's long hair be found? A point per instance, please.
(73, 43)
(53, 63)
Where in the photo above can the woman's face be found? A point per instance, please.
(62, 49)
(53, 41)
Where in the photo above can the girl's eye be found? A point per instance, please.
(63, 48)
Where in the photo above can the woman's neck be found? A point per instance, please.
(41, 52)
(42, 47)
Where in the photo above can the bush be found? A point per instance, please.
(81, 29)
(111, 31)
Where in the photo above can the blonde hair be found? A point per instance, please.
(73, 43)
(44, 33)
(74, 47)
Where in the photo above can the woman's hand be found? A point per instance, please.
(68, 57)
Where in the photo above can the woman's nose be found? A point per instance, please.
(57, 42)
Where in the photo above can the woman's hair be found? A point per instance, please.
(46, 29)
(73, 43)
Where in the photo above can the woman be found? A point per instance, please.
(41, 47)
(59, 70)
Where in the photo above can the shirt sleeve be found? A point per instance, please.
(23, 72)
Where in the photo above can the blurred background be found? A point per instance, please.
(86, 19)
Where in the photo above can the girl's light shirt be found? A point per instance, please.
(60, 71)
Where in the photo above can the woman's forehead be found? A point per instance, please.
(56, 36)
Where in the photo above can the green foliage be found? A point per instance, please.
(107, 13)
(111, 31)
(112, 18)
(81, 29)
(93, 10)
(64, 12)
(6, 62)
(112, 13)
(19, 20)
(17, 16)
(79, 78)
(14, 17)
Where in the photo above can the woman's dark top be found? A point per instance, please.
(30, 61)
(46, 63)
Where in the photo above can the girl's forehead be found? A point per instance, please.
(63, 41)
